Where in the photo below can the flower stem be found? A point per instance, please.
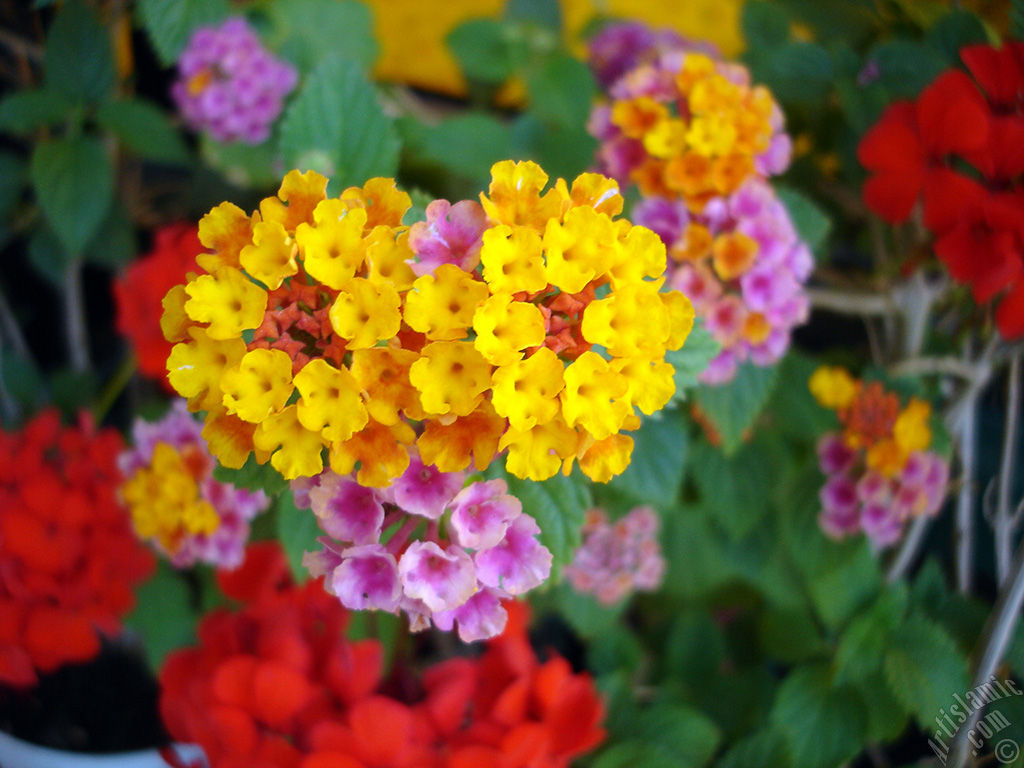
(113, 388)
(74, 318)
(1003, 524)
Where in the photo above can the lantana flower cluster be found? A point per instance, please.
(277, 684)
(230, 85)
(957, 150)
(68, 557)
(533, 321)
(174, 501)
(452, 556)
(617, 558)
(139, 291)
(742, 264)
(879, 469)
(685, 124)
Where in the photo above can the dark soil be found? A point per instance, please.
(106, 705)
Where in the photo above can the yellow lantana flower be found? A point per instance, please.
(259, 386)
(271, 257)
(513, 260)
(833, 387)
(227, 300)
(504, 328)
(526, 391)
(333, 249)
(451, 377)
(595, 396)
(442, 304)
(331, 403)
(365, 313)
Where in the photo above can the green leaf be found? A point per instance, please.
(823, 724)
(48, 256)
(765, 25)
(790, 634)
(906, 66)
(765, 748)
(561, 90)
(144, 129)
(114, 245)
(164, 615)
(692, 358)
(697, 558)
(252, 476)
(243, 165)
(481, 48)
(316, 28)
(557, 504)
(25, 111)
(737, 490)
(467, 144)
(170, 23)
(546, 13)
(665, 735)
(694, 648)
(79, 58)
(924, 668)
(297, 530)
(21, 379)
(13, 175)
(563, 151)
(655, 472)
(812, 224)
(887, 718)
(585, 614)
(794, 411)
(861, 648)
(795, 72)
(335, 126)
(847, 584)
(634, 753)
(74, 183)
(1017, 19)
(73, 390)
(955, 30)
(733, 407)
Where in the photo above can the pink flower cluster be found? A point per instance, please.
(855, 498)
(617, 558)
(742, 264)
(224, 546)
(425, 545)
(230, 85)
(622, 46)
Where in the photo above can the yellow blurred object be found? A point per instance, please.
(412, 32)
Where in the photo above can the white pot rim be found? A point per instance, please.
(15, 753)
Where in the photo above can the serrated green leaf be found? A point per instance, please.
(561, 90)
(563, 151)
(243, 165)
(297, 530)
(811, 222)
(164, 616)
(823, 724)
(481, 48)
(252, 476)
(790, 634)
(170, 23)
(694, 649)
(692, 358)
(887, 718)
(696, 555)
(74, 182)
(336, 126)
(924, 668)
(764, 24)
(25, 111)
(680, 732)
(655, 472)
(847, 584)
(905, 67)
(794, 411)
(735, 490)
(765, 748)
(144, 129)
(557, 504)
(733, 407)
(315, 28)
(632, 754)
(862, 645)
(79, 58)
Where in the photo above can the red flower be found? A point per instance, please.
(277, 685)
(68, 557)
(138, 294)
(911, 141)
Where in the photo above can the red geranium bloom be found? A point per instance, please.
(912, 140)
(68, 556)
(138, 294)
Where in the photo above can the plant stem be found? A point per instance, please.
(1003, 524)
(848, 303)
(113, 388)
(992, 644)
(908, 549)
(965, 497)
(74, 318)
